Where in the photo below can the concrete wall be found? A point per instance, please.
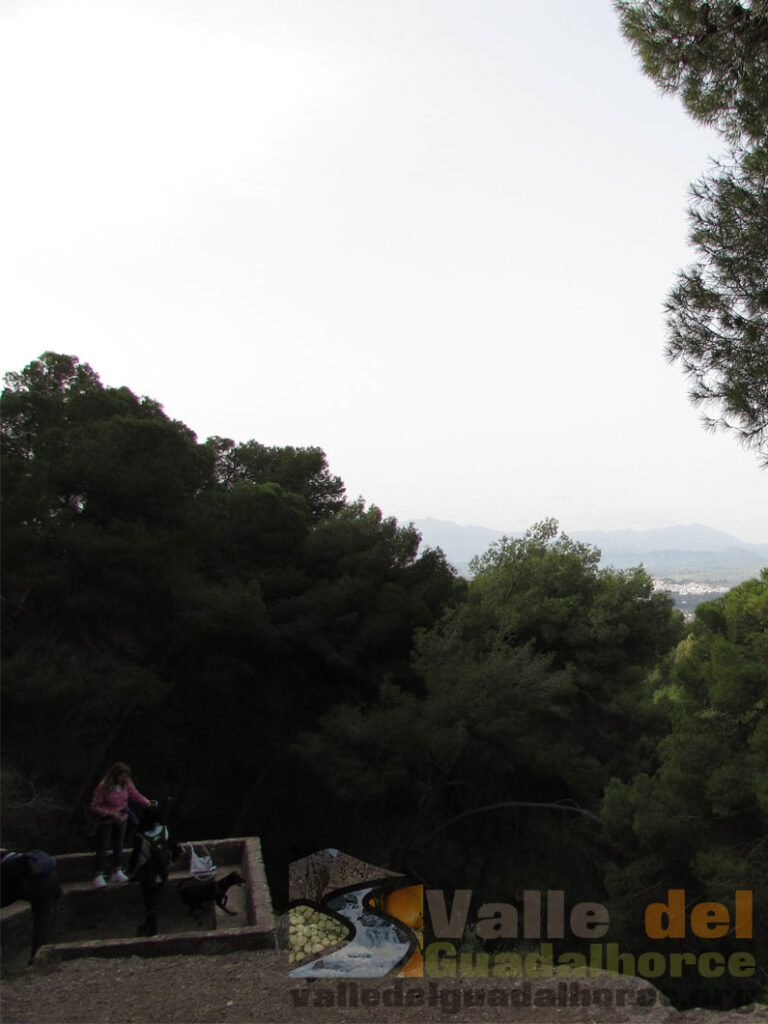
(92, 921)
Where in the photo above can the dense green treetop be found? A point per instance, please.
(301, 471)
(150, 581)
(714, 54)
(549, 590)
(63, 436)
(717, 314)
(535, 691)
(700, 820)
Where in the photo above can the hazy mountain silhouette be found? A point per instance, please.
(672, 550)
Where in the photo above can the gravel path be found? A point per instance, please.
(255, 988)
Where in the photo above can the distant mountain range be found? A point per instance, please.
(676, 552)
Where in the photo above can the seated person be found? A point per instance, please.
(111, 815)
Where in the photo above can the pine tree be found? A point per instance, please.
(715, 56)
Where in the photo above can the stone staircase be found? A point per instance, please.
(103, 922)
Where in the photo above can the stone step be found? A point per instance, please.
(91, 921)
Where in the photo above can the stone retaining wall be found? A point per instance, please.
(103, 922)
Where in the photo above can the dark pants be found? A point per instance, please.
(109, 833)
(39, 890)
(151, 888)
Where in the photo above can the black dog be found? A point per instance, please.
(195, 892)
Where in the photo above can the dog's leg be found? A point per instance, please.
(221, 902)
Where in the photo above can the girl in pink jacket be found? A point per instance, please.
(111, 814)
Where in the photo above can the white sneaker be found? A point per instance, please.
(118, 876)
(99, 881)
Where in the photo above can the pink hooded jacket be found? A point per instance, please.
(111, 802)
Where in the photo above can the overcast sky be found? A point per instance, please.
(432, 237)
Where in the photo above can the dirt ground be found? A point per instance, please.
(255, 988)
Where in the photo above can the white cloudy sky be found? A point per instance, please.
(430, 236)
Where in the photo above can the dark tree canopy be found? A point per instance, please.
(178, 599)
(301, 471)
(285, 663)
(701, 817)
(715, 55)
(535, 692)
(717, 314)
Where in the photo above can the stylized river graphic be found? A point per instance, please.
(377, 944)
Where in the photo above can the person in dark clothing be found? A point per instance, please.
(150, 863)
(31, 875)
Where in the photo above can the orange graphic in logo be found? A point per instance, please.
(407, 905)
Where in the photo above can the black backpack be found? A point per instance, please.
(160, 853)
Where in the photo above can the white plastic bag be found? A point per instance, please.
(200, 861)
